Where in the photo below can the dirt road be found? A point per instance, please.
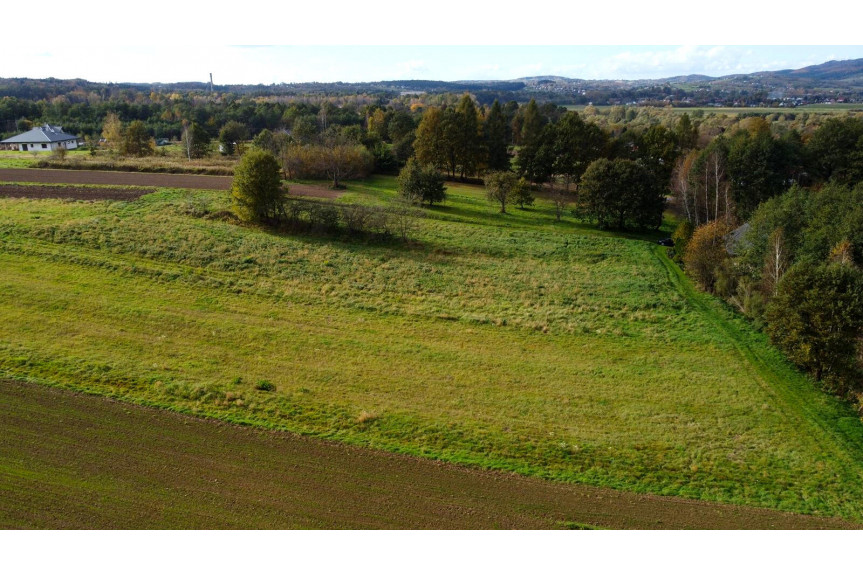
(74, 461)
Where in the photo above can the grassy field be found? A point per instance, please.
(509, 342)
(168, 158)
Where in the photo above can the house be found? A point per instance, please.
(43, 139)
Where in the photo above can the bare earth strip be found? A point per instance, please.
(71, 192)
(74, 461)
(186, 181)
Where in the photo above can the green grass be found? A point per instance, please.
(506, 341)
(166, 159)
(9, 159)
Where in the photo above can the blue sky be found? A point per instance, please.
(275, 64)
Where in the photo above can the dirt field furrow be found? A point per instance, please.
(71, 192)
(186, 181)
(74, 461)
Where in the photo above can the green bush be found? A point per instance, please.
(265, 385)
(257, 188)
(816, 318)
(421, 184)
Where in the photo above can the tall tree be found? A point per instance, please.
(686, 133)
(195, 140)
(496, 138)
(112, 131)
(257, 188)
(428, 146)
(684, 190)
(232, 137)
(341, 159)
(705, 253)
(757, 170)
(775, 262)
(532, 123)
(536, 158)
(377, 124)
(620, 194)
(831, 149)
(576, 144)
(136, 140)
(710, 185)
(816, 318)
(400, 125)
(470, 148)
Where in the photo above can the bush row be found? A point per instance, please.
(354, 219)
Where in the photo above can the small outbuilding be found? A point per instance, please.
(42, 139)
(735, 241)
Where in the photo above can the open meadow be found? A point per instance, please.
(510, 342)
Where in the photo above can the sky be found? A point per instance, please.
(277, 64)
(269, 42)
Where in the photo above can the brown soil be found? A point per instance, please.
(71, 192)
(310, 191)
(186, 181)
(75, 461)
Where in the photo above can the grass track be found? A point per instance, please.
(834, 429)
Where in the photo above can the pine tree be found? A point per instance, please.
(496, 138)
(470, 150)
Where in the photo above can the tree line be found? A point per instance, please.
(774, 225)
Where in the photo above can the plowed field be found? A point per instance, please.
(187, 181)
(70, 461)
(71, 192)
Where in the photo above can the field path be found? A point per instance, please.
(70, 461)
(186, 181)
(836, 436)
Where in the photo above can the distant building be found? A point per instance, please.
(736, 241)
(43, 139)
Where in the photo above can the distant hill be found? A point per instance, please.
(834, 71)
(828, 82)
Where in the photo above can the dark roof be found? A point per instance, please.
(41, 135)
(735, 241)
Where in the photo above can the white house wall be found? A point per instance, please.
(49, 147)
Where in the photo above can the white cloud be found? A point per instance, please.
(411, 68)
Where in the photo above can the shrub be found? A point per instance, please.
(681, 236)
(323, 216)
(59, 153)
(265, 385)
(705, 253)
(421, 184)
(257, 188)
(137, 141)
